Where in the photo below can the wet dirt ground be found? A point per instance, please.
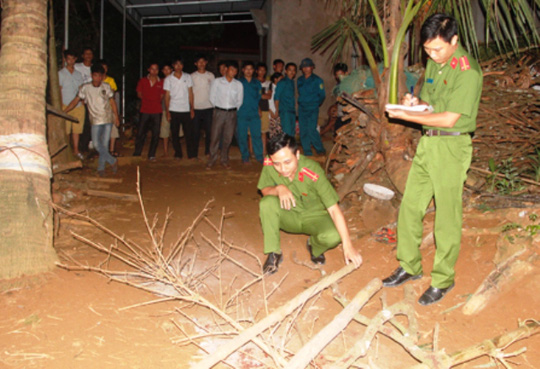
(77, 319)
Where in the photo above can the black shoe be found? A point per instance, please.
(321, 259)
(433, 295)
(399, 277)
(272, 263)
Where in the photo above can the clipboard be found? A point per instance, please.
(415, 108)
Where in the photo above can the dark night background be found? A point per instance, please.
(161, 44)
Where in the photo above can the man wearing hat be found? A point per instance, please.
(310, 96)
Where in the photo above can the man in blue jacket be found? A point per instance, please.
(310, 96)
(284, 100)
(248, 115)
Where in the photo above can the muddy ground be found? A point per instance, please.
(77, 319)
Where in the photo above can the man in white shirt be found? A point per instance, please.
(226, 94)
(202, 81)
(179, 106)
(70, 80)
(84, 66)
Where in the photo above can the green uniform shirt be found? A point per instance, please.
(310, 187)
(455, 87)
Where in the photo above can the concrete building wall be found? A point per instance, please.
(292, 24)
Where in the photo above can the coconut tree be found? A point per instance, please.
(26, 229)
(379, 29)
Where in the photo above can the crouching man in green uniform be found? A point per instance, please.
(298, 198)
(452, 85)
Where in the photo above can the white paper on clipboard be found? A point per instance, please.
(415, 108)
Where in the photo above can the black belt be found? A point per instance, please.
(231, 109)
(436, 132)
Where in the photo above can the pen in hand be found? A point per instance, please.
(411, 100)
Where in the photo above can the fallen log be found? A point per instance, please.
(406, 341)
(407, 337)
(509, 271)
(311, 349)
(113, 195)
(62, 167)
(101, 179)
(278, 315)
(491, 347)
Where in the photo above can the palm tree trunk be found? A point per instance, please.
(393, 139)
(26, 228)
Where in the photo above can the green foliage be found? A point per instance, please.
(530, 230)
(349, 32)
(510, 239)
(408, 17)
(508, 22)
(511, 226)
(511, 182)
(484, 208)
(535, 164)
(353, 30)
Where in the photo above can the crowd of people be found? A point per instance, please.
(296, 195)
(249, 108)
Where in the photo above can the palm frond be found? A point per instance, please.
(410, 12)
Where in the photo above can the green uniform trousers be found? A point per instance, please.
(316, 223)
(439, 170)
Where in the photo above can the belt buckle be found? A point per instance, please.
(431, 132)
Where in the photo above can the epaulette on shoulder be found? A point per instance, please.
(464, 63)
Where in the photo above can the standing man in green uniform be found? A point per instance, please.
(311, 94)
(298, 198)
(452, 86)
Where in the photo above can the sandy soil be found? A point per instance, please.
(75, 319)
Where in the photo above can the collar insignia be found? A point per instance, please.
(308, 173)
(454, 62)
